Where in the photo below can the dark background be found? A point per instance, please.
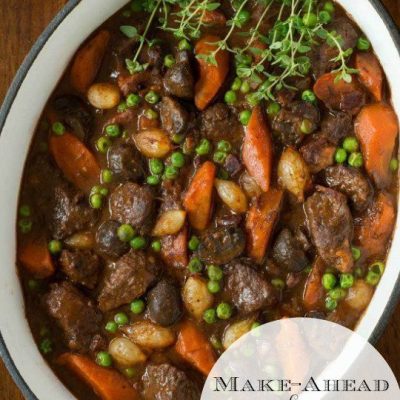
(21, 22)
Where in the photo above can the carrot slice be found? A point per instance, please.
(338, 94)
(108, 384)
(370, 73)
(88, 60)
(376, 128)
(75, 160)
(194, 347)
(257, 149)
(211, 76)
(198, 198)
(213, 18)
(260, 222)
(36, 259)
(313, 289)
(376, 226)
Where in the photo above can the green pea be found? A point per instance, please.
(194, 243)
(243, 16)
(378, 267)
(178, 138)
(306, 126)
(204, 147)
(358, 272)
(156, 166)
(244, 117)
(104, 359)
(356, 253)
(308, 96)
(329, 6)
(219, 157)
(25, 211)
(346, 281)
(330, 304)
(113, 130)
(278, 283)
(151, 114)
(129, 372)
(394, 165)
(273, 109)
(230, 97)
(223, 174)
(156, 246)
(171, 172)
(177, 159)
(104, 191)
(310, 20)
(237, 83)
(363, 44)
(214, 272)
(340, 156)
(224, 145)
(216, 343)
(137, 306)
(245, 87)
(133, 100)
(25, 225)
(96, 201)
(210, 316)
(169, 60)
(195, 265)
(55, 247)
(111, 327)
(372, 278)
(356, 160)
(153, 180)
(103, 143)
(213, 286)
(58, 128)
(152, 97)
(121, 319)
(184, 45)
(350, 144)
(329, 281)
(125, 233)
(325, 17)
(138, 243)
(337, 294)
(224, 311)
(122, 107)
(46, 346)
(33, 284)
(106, 176)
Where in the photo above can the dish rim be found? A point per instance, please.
(9, 100)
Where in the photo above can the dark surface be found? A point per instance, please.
(31, 20)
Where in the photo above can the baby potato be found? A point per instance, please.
(169, 223)
(235, 331)
(153, 143)
(293, 173)
(104, 96)
(196, 296)
(126, 353)
(232, 195)
(359, 295)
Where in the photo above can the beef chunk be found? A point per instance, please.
(131, 204)
(75, 113)
(336, 126)
(126, 279)
(152, 55)
(318, 153)
(69, 212)
(289, 120)
(352, 183)
(178, 81)
(81, 266)
(225, 218)
(174, 117)
(219, 123)
(331, 227)
(107, 241)
(134, 83)
(75, 314)
(247, 288)
(288, 253)
(125, 162)
(165, 382)
(324, 53)
(221, 245)
(232, 165)
(164, 303)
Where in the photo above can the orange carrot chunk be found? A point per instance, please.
(108, 384)
(376, 128)
(174, 249)
(211, 76)
(213, 18)
(260, 222)
(75, 160)
(198, 198)
(36, 259)
(257, 149)
(194, 347)
(88, 60)
(313, 289)
(370, 73)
